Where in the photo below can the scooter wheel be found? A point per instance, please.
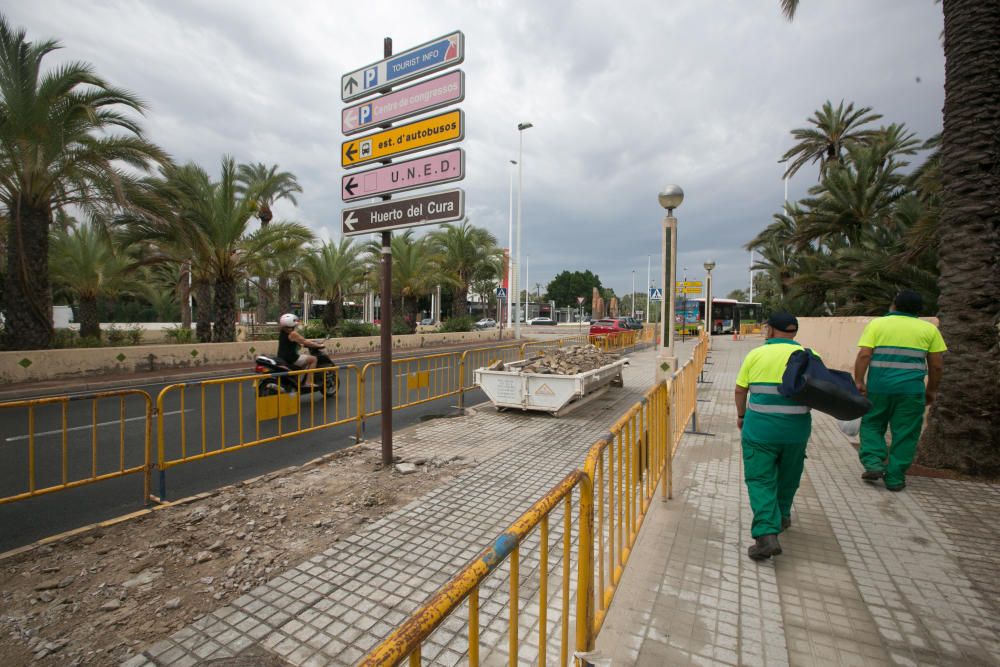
(267, 388)
(331, 384)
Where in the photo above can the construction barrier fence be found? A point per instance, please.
(613, 490)
(97, 436)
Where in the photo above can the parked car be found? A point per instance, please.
(630, 323)
(541, 321)
(427, 322)
(486, 323)
(607, 327)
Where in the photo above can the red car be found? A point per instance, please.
(606, 326)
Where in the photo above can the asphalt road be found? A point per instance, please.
(108, 434)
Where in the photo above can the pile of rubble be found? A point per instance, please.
(568, 361)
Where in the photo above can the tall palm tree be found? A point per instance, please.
(87, 264)
(335, 268)
(415, 272)
(964, 423)
(463, 249)
(287, 263)
(58, 148)
(264, 186)
(834, 131)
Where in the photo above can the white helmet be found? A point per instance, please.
(289, 320)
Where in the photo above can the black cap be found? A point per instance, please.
(909, 301)
(783, 321)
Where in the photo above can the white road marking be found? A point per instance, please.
(89, 426)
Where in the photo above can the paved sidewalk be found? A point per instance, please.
(336, 606)
(867, 577)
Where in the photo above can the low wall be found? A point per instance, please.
(24, 366)
(836, 338)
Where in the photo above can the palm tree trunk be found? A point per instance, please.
(27, 293)
(203, 311)
(224, 328)
(262, 300)
(330, 314)
(183, 295)
(90, 324)
(964, 427)
(285, 295)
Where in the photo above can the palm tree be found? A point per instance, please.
(334, 268)
(57, 149)
(287, 262)
(463, 249)
(264, 186)
(88, 265)
(964, 423)
(835, 130)
(414, 272)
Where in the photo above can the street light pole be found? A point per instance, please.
(670, 197)
(521, 127)
(709, 322)
(510, 244)
(633, 294)
(649, 283)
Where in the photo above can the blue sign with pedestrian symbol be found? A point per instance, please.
(655, 294)
(501, 292)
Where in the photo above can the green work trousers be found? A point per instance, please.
(772, 473)
(904, 414)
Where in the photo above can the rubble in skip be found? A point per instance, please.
(571, 360)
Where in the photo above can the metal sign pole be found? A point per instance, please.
(385, 326)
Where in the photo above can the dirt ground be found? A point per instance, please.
(97, 597)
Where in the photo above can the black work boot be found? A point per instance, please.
(872, 475)
(764, 547)
(786, 522)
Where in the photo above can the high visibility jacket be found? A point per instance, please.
(770, 417)
(899, 343)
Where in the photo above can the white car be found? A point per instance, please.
(486, 323)
(541, 321)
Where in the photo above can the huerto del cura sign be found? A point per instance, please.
(428, 209)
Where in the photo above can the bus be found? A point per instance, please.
(727, 315)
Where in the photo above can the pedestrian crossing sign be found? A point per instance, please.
(501, 292)
(655, 294)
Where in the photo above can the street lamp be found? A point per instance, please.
(670, 197)
(633, 294)
(709, 322)
(510, 243)
(521, 127)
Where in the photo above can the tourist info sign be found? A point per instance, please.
(443, 167)
(419, 61)
(444, 128)
(428, 209)
(428, 95)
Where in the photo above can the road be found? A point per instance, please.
(119, 434)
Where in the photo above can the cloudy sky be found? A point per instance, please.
(624, 96)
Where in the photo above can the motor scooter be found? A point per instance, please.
(279, 380)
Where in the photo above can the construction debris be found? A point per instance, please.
(571, 360)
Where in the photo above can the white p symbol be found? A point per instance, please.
(371, 77)
(365, 114)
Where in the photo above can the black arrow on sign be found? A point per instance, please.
(351, 85)
(351, 152)
(351, 185)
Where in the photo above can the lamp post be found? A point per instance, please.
(521, 127)
(709, 322)
(670, 197)
(510, 243)
(633, 294)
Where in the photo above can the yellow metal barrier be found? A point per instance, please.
(260, 416)
(82, 448)
(406, 640)
(618, 481)
(415, 380)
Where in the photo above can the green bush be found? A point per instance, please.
(134, 335)
(315, 330)
(179, 334)
(65, 338)
(463, 323)
(116, 336)
(88, 341)
(354, 329)
(400, 326)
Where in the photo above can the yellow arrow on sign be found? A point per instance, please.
(689, 290)
(689, 283)
(437, 130)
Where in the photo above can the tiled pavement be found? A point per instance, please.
(867, 577)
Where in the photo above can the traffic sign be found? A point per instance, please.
(444, 128)
(689, 290)
(420, 172)
(419, 61)
(579, 300)
(435, 93)
(501, 292)
(428, 209)
(689, 283)
(655, 294)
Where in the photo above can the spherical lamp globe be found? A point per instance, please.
(671, 197)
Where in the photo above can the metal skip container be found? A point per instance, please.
(557, 394)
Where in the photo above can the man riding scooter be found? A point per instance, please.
(289, 341)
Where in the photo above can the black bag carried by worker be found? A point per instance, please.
(808, 381)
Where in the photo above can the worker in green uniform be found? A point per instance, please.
(774, 431)
(896, 352)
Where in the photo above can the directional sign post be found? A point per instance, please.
(429, 95)
(429, 209)
(419, 61)
(444, 128)
(420, 172)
